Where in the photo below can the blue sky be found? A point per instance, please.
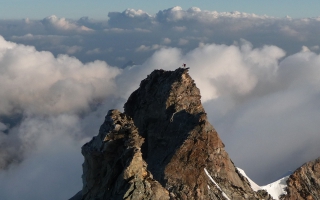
(98, 9)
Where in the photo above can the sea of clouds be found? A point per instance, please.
(258, 76)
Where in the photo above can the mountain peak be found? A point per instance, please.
(161, 147)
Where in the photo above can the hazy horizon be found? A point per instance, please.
(33, 9)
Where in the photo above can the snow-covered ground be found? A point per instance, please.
(254, 186)
(275, 189)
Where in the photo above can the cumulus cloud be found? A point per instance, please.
(143, 48)
(130, 18)
(55, 100)
(38, 83)
(55, 23)
(148, 48)
(215, 72)
(136, 27)
(53, 152)
(166, 41)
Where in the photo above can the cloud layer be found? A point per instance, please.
(258, 77)
(45, 109)
(141, 34)
(38, 83)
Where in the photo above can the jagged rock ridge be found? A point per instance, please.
(113, 167)
(161, 147)
(304, 183)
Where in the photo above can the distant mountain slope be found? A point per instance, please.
(304, 183)
(275, 189)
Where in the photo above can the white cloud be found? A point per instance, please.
(172, 14)
(130, 19)
(143, 48)
(53, 22)
(288, 31)
(136, 27)
(213, 69)
(48, 93)
(305, 49)
(135, 13)
(183, 41)
(166, 41)
(176, 14)
(52, 150)
(38, 83)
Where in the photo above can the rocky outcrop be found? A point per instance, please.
(113, 167)
(161, 147)
(304, 183)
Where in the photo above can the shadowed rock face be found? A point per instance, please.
(304, 183)
(160, 148)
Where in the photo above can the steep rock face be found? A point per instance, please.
(113, 167)
(161, 147)
(304, 183)
(180, 142)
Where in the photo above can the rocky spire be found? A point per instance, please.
(161, 147)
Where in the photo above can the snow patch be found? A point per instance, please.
(224, 194)
(276, 188)
(254, 186)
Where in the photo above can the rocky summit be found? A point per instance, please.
(161, 147)
(304, 183)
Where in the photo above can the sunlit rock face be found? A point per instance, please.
(304, 183)
(161, 147)
(113, 167)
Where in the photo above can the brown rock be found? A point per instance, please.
(114, 168)
(160, 148)
(180, 142)
(304, 183)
